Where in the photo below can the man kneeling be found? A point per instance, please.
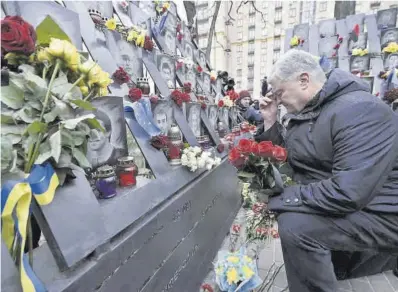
(341, 218)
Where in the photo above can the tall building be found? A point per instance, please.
(247, 41)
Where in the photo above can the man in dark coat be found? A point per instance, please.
(246, 111)
(341, 218)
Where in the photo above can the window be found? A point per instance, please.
(239, 72)
(252, 20)
(276, 55)
(250, 73)
(277, 29)
(250, 59)
(251, 34)
(277, 43)
(239, 60)
(278, 15)
(323, 6)
(278, 4)
(264, 31)
(264, 45)
(262, 68)
(251, 47)
(240, 22)
(239, 49)
(239, 85)
(265, 4)
(240, 35)
(305, 17)
(292, 12)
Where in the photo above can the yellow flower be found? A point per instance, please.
(132, 35)
(294, 41)
(84, 89)
(232, 276)
(92, 70)
(104, 80)
(103, 91)
(64, 50)
(166, 5)
(140, 39)
(391, 48)
(247, 259)
(247, 272)
(56, 48)
(233, 259)
(44, 56)
(359, 52)
(111, 24)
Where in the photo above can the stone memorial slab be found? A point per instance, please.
(327, 28)
(147, 7)
(327, 46)
(388, 36)
(168, 35)
(210, 127)
(387, 18)
(314, 37)
(390, 61)
(361, 43)
(10, 281)
(213, 116)
(194, 118)
(373, 35)
(288, 36)
(343, 31)
(376, 64)
(163, 115)
(206, 83)
(189, 50)
(166, 66)
(369, 80)
(190, 75)
(353, 20)
(223, 116)
(359, 63)
(233, 116)
(302, 31)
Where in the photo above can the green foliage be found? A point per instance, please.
(49, 29)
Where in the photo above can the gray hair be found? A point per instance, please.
(295, 62)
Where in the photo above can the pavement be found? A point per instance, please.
(271, 269)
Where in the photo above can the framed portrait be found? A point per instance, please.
(201, 59)
(361, 43)
(190, 75)
(106, 147)
(166, 67)
(390, 61)
(193, 118)
(189, 50)
(163, 115)
(359, 63)
(212, 114)
(223, 116)
(388, 36)
(206, 84)
(387, 18)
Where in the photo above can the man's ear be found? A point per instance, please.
(304, 80)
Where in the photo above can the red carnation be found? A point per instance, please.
(207, 288)
(245, 146)
(220, 103)
(179, 37)
(17, 36)
(120, 76)
(336, 46)
(334, 55)
(262, 231)
(187, 87)
(220, 148)
(258, 207)
(279, 153)
(148, 44)
(185, 97)
(135, 94)
(200, 69)
(179, 65)
(179, 27)
(203, 105)
(236, 228)
(340, 40)
(154, 99)
(265, 149)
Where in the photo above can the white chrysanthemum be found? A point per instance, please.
(201, 162)
(191, 155)
(209, 166)
(205, 154)
(186, 150)
(217, 161)
(193, 168)
(197, 149)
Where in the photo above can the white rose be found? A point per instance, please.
(201, 162)
(193, 168)
(209, 166)
(217, 161)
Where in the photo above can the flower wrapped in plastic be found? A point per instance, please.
(236, 272)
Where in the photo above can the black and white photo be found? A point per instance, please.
(193, 117)
(166, 67)
(163, 115)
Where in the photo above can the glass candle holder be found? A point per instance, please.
(126, 171)
(106, 182)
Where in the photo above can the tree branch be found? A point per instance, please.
(212, 29)
(255, 9)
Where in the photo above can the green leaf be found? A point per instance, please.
(37, 105)
(7, 116)
(27, 68)
(36, 127)
(83, 104)
(93, 123)
(44, 152)
(80, 158)
(15, 138)
(72, 123)
(61, 109)
(36, 85)
(48, 29)
(13, 129)
(65, 159)
(246, 174)
(12, 96)
(55, 143)
(78, 137)
(84, 128)
(67, 139)
(17, 80)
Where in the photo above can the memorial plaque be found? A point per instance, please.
(223, 116)
(388, 36)
(314, 36)
(342, 30)
(206, 84)
(166, 66)
(373, 35)
(189, 50)
(353, 20)
(213, 115)
(327, 28)
(193, 118)
(302, 31)
(147, 7)
(202, 59)
(327, 46)
(163, 115)
(361, 43)
(104, 147)
(168, 36)
(233, 115)
(333, 62)
(369, 80)
(359, 63)
(387, 18)
(190, 75)
(390, 61)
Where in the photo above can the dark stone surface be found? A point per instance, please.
(9, 273)
(327, 27)
(387, 18)
(373, 35)
(314, 36)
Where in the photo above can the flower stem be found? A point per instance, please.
(75, 83)
(30, 240)
(50, 85)
(90, 94)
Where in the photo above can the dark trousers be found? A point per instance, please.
(318, 250)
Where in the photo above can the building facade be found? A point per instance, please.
(247, 41)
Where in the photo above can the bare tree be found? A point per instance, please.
(212, 29)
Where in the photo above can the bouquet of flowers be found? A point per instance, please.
(195, 158)
(235, 271)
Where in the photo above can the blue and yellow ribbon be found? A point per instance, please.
(16, 197)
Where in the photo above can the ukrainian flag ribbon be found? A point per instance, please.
(16, 197)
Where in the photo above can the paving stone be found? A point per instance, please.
(380, 283)
(392, 279)
(361, 286)
(280, 279)
(345, 285)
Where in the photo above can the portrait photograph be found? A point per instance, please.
(388, 36)
(223, 116)
(189, 50)
(169, 37)
(193, 118)
(163, 115)
(105, 147)
(361, 43)
(212, 114)
(387, 18)
(206, 84)
(148, 7)
(359, 63)
(171, 21)
(190, 75)
(201, 59)
(390, 61)
(165, 65)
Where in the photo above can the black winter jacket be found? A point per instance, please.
(343, 148)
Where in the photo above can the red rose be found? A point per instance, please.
(220, 148)
(236, 158)
(220, 103)
(120, 76)
(265, 149)
(262, 231)
(159, 142)
(340, 40)
(148, 44)
(17, 36)
(179, 65)
(175, 94)
(135, 94)
(179, 37)
(255, 148)
(187, 87)
(245, 146)
(258, 207)
(179, 27)
(207, 288)
(236, 228)
(203, 105)
(279, 154)
(154, 99)
(200, 70)
(336, 46)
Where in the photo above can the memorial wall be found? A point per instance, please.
(160, 229)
